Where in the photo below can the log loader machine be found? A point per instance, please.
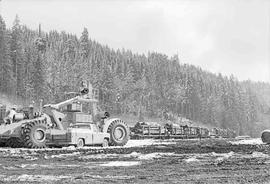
(76, 121)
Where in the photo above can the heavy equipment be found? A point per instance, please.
(79, 135)
(147, 130)
(77, 121)
(178, 130)
(169, 130)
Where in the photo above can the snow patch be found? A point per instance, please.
(99, 156)
(133, 155)
(50, 166)
(191, 159)
(120, 163)
(149, 156)
(33, 178)
(248, 141)
(15, 152)
(31, 158)
(105, 177)
(66, 155)
(224, 155)
(139, 143)
(147, 142)
(259, 155)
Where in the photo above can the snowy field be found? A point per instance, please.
(130, 144)
(256, 141)
(141, 161)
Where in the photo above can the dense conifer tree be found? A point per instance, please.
(38, 65)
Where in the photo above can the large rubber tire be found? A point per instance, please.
(266, 136)
(119, 133)
(80, 143)
(2, 144)
(105, 143)
(34, 133)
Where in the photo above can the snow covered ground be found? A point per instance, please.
(131, 143)
(255, 141)
(138, 159)
(29, 154)
(32, 178)
(120, 163)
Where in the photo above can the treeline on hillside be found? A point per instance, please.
(43, 65)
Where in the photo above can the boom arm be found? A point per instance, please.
(71, 101)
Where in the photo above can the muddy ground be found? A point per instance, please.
(141, 161)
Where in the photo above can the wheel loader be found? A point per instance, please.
(76, 121)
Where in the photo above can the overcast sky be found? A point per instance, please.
(226, 36)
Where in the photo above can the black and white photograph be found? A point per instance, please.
(134, 91)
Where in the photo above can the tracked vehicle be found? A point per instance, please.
(75, 121)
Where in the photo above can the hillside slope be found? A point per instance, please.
(46, 65)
